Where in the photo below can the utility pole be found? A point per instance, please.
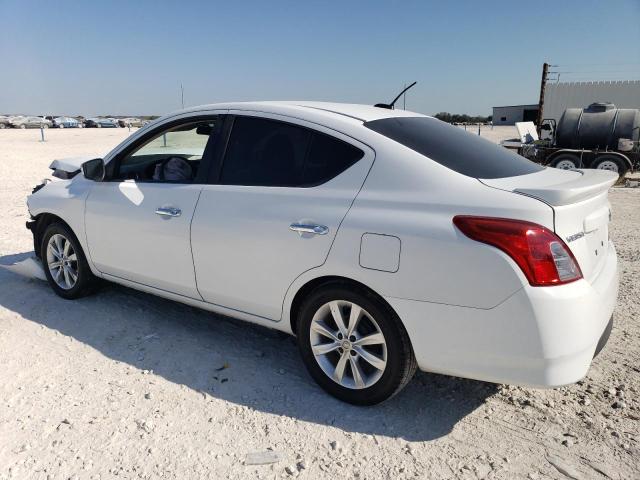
(182, 94)
(543, 86)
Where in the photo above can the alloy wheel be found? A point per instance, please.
(348, 344)
(62, 261)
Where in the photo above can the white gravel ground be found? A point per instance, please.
(123, 384)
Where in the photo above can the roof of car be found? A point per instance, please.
(361, 113)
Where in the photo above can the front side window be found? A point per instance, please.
(173, 155)
(270, 153)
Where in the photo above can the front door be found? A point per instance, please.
(138, 220)
(281, 193)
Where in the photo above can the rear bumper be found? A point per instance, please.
(540, 336)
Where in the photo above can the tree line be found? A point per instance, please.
(461, 118)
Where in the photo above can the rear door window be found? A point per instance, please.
(460, 151)
(328, 157)
(271, 153)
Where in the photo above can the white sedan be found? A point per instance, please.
(385, 240)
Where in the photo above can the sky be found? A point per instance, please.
(130, 57)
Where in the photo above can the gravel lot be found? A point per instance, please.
(126, 385)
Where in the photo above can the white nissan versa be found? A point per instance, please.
(383, 239)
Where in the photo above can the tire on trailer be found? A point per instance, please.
(612, 163)
(363, 365)
(565, 161)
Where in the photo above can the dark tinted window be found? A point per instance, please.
(454, 148)
(327, 158)
(270, 153)
(265, 152)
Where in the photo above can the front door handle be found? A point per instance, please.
(309, 228)
(168, 211)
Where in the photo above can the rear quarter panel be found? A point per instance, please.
(415, 199)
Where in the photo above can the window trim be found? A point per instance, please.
(205, 164)
(215, 173)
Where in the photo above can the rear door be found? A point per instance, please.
(272, 209)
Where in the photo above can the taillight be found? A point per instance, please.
(542, 256)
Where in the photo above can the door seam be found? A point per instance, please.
(193, 261)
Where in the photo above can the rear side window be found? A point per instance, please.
(454, 148)
(270, 153)
(328, 157)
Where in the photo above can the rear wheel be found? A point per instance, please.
(566, 161)
(611, 163)
(64, 262)
(354, 345)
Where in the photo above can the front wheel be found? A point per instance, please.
(65, 264)
(354, 345)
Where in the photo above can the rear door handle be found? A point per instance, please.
(309, 228)
(168, 211)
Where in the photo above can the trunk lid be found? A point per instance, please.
(579, 199)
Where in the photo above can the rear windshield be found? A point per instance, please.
(454, 148)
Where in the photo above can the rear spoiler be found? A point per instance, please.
(589, 184)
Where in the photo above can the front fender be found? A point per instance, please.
(64, 199)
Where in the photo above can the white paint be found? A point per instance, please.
(467, 307)
(380, 252)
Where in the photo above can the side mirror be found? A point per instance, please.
(94, 169)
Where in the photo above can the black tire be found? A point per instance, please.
(401, 363)
(606, 162)
(563, 160)
(86, 281)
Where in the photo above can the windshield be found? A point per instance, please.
(461, 151)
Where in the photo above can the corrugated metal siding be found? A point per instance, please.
(560, 96)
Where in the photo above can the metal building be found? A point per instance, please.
(560, 96)
(511, 114)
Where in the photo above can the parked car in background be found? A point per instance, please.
(4, 122)
(65, 122)
(385, 240)
(30, 122)
(130, 122)
(100, 123)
